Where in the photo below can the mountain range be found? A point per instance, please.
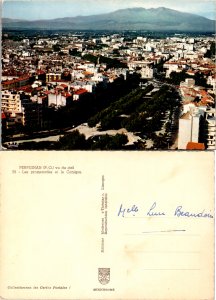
(155, 19)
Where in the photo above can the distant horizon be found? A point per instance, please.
(79, 15)
(52, 9)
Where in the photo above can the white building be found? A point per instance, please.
(133, 65)
(88, 85)
(99, 77)
(189, 127)
(57, 99)
(171, 67)
(147, 72)
(10, 101)
(188, 107)
(191, 40)
(148, 47)
(191, 55)
(188, 83)
(212, 81)
(189, 47)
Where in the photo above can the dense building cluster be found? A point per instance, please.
(39, 73)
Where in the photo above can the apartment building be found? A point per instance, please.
(53, 77)
(189, 127)
(147, 72)
(10, 102)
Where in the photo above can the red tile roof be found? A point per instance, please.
(81, 91)
(64, 85)
(27, 89)
(40, 72)
(3, 116)
(195, 146)
(203, 92)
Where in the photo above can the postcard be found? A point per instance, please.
(108, 75)
(107, 225)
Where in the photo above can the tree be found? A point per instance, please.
(107, 142)
(111, 63)
(118, 141)
(211, 52)
(74, 52)
(56, 48)
(200, 80)
(160, 142)
(66, 76)
(73, 141)
(177, 77)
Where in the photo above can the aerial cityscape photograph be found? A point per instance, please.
(108, 75)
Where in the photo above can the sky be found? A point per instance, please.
(50, 9)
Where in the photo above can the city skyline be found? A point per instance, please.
(37, 9)
(100, 90)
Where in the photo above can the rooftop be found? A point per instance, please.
(185, 116)
(195, 146)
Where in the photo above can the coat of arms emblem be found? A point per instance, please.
(104, 275)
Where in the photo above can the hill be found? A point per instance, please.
(157, 19)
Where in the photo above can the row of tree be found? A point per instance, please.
(78, 141)
(137, 112)
(111, 117)
(150, 115)
(142, 114)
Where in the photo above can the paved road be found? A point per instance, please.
(87, 131)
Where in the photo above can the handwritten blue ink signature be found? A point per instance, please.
(133, 210)
(154, 212)
(179, 212)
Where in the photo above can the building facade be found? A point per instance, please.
(10, 102)
(211, 128)
(189, 128)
